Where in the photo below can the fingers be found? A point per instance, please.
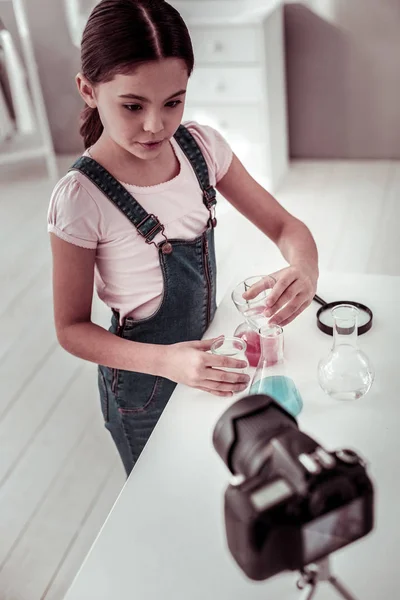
(264, 284)
(255, 289)
(224, 362)
(226, 376)
(205, 344)
(227, 389)
(218, 386)
(290, 295)
(280, 288)
(285, 319)
(215, 392)
(218, 380)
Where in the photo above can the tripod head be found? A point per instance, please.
(315, 573)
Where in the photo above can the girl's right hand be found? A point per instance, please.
(190, 364)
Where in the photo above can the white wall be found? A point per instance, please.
(343, 78)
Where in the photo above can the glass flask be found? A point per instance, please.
(271, 376)
(253, 312)
(346, 373)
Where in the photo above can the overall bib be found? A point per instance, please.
(132, 402)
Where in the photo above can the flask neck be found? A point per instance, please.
(271, 344)
(345, 330)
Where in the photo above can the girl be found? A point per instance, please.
(135, 216)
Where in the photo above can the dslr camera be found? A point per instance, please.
(292, 502)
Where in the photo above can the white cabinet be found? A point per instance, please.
(220, 44)
(233, 121)
(226, 85)
(238, 86)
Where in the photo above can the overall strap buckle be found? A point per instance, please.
(149, 234)
(149, 225)
(210, 200)
(149, 230)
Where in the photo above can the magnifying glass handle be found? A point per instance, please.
(319, 300)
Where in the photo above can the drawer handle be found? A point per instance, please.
(218, 47)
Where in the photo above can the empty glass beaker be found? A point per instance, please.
(232, 347)
(271, 376)
(347, 372)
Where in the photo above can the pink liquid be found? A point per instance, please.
(253, 351)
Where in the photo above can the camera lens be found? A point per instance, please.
(242, 434)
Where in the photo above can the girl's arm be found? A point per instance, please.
(73, 277)
(296, 284)
(188, 363)
(292, 237)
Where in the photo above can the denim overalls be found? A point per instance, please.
(133, 402)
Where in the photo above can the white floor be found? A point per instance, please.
(59, 471)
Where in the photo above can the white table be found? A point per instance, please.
(165, 537)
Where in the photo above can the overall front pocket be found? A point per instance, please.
(135, 392)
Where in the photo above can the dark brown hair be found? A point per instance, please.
(122, 33)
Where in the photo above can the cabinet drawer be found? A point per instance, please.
(229, 85)
(222, 45)
(233, 122)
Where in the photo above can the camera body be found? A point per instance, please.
(292, 503)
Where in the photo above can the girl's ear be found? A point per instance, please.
(86, 90)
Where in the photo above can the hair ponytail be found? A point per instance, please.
(91, 126)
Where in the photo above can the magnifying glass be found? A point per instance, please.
(325, 318)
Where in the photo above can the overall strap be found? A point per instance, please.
(195, 156)
(147, 224)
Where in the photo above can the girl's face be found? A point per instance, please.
(141, 111)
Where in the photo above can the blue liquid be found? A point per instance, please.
(283, 390)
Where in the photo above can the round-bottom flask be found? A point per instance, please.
(346, 373)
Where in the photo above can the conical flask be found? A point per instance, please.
(271, 376)
(346, 373)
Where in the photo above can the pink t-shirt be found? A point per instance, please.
(128, 275)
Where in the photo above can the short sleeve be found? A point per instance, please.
(216, 150)
(73, 215)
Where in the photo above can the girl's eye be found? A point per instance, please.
(137, 107)
(174, 103)
(133, 107)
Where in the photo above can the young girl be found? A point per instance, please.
(136, 216)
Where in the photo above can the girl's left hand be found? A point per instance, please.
(293, 291)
